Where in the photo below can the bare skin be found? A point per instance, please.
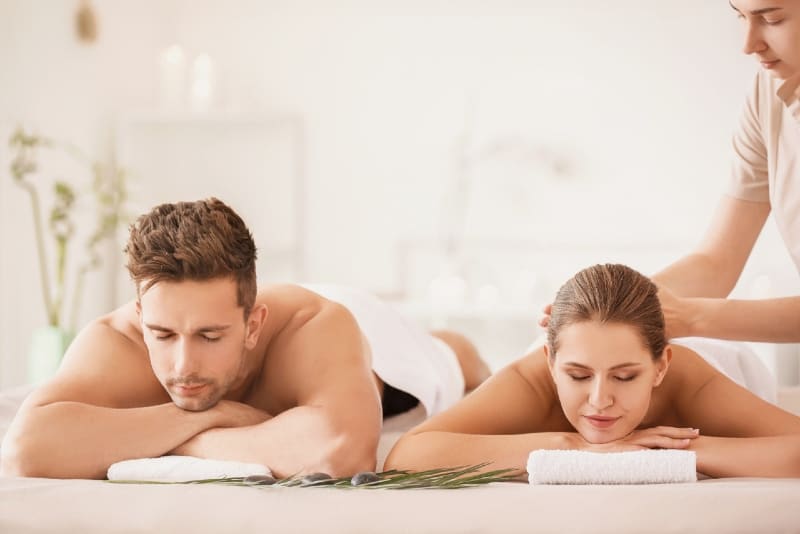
(523, 408)
(183, 372)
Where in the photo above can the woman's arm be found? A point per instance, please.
(741, 434)
(513, 413)
(771, 456)
(496, 423)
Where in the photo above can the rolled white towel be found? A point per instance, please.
(651, 466)
(181, 469)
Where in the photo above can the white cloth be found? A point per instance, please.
(737, 361)
(403, 354)
(652, 466)
(181, 469)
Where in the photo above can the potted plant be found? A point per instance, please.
(109, 195)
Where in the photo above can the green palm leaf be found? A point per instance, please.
(441, 478)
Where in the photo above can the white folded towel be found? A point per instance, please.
(181, 469)
(651, 466)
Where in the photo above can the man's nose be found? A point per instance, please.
(183, 362)
(753, 42)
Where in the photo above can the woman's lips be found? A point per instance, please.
(601, 421)
(770, 64)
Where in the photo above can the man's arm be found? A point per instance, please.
(103, 406)
(770, 320)
(336, 424)
(713, 269)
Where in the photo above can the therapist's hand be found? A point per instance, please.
(544, 319)
(677, 314)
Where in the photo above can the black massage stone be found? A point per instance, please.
(364, 478)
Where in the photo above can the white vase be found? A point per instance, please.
(48, 345)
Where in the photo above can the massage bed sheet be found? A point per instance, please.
(732, 505)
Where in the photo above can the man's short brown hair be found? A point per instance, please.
(200, 240)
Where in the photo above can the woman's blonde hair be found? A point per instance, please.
(609, 293)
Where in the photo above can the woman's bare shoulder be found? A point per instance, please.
(702, 397)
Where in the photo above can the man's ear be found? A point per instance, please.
(662, 364)
(255, 323)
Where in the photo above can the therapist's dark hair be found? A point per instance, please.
(609, 293)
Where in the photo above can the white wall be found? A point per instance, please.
(642, 95)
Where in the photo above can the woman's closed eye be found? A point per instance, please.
(626, 378)
(579, 377)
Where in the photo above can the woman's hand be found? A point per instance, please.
(660, 437)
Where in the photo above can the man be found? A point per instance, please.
(203, 364)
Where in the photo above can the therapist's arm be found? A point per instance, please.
(714, 267)
(770, 320)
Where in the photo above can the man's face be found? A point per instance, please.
(772, 34)
(195, 334)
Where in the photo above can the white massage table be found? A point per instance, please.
(726, 505)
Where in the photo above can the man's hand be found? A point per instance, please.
(233, 414)
(230, 414)
(677, 313)
(660, 437)
(544, 319)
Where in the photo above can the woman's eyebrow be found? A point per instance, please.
(615, 367)
(756, 11)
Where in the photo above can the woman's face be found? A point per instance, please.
(772, 33)
(605, 376)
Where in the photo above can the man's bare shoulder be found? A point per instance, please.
(119, 326)
(309, 336)
(290, 297)
(107, 364)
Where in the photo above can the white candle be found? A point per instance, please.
(172, 83)
(203, 83)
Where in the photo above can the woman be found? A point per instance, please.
(766, 177)
(608, 381)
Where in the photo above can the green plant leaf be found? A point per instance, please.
(441, 478)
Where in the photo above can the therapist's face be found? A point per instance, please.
(771, 33)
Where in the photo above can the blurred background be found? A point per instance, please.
(460, 159)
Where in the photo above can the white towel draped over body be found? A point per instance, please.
(181, 469)
(652, 466)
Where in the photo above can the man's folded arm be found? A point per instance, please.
(336, 423)
(68, 439)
